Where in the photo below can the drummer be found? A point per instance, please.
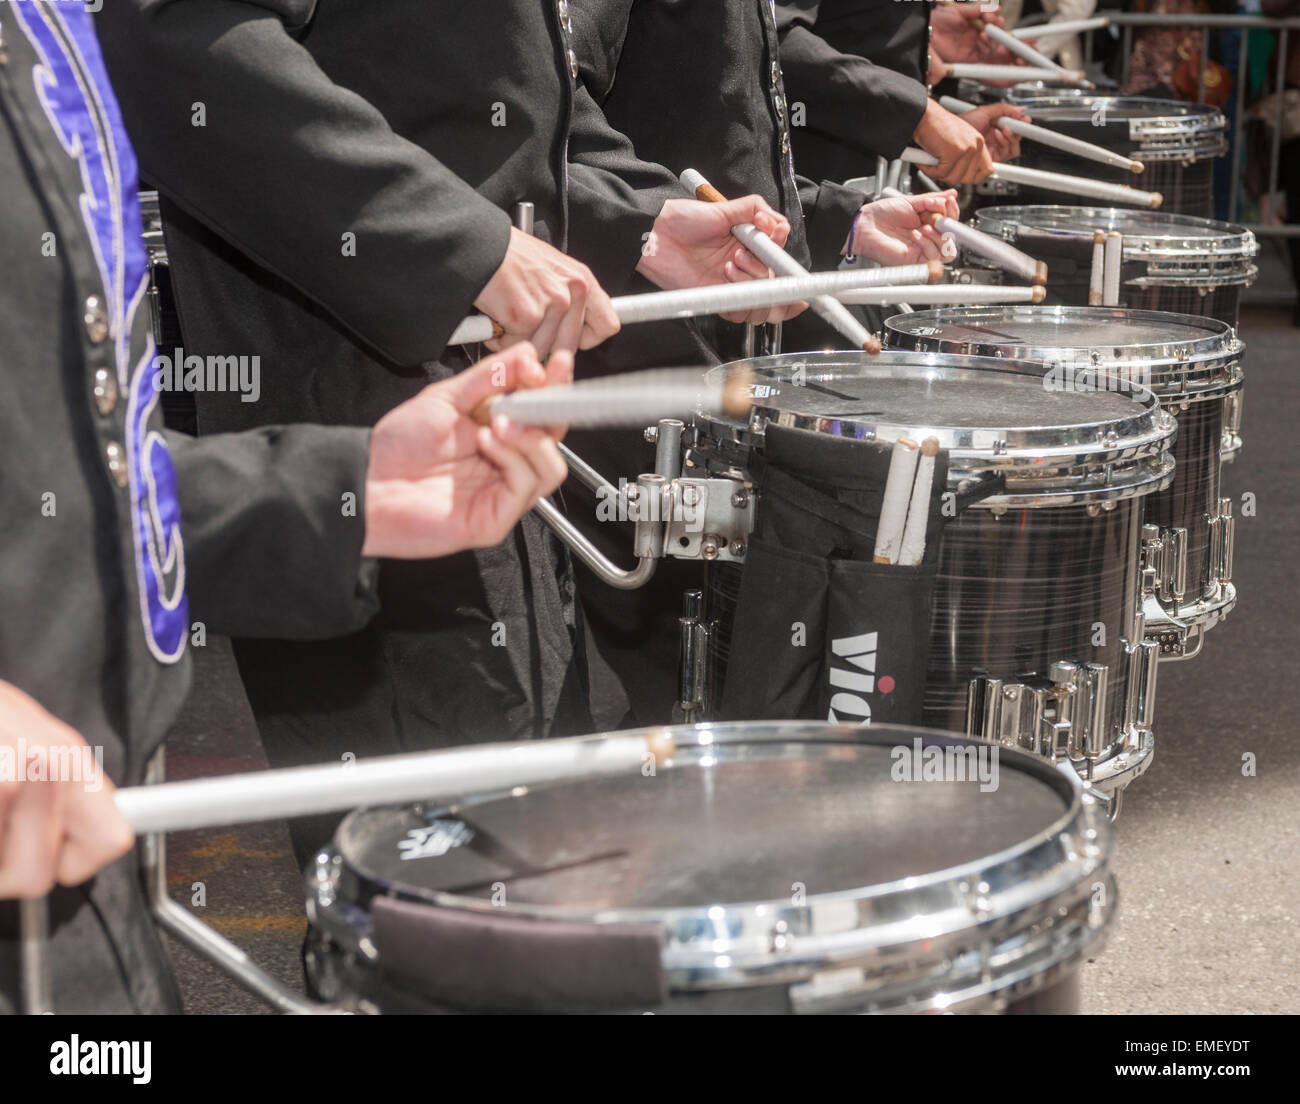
(123, 543)
(336, 202)
(859, 70)
(630, 54)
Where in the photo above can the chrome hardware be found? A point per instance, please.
(709, 519)
(1223, 528)
(668, 448)
(1096, 684)
(1140, 698)
(1164, 563)
(1062, 716)
(693, 691)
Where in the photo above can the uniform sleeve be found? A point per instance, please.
(276, 125)
(272, 542)
(846, 97)
(614, 196)
(828, 211)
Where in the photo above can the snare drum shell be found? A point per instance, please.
(889, 915)
(1198, 397)
(1177, 142)
(1175, 263)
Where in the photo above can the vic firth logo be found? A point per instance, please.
(853, 679)
(434, 839)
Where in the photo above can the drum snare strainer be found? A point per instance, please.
(767, 867)
(1036, 636)
(1193, 364)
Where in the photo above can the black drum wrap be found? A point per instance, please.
(1013, 593)
(1193, 363)
(1020, 590)
(1190, 500)
(1177, 143)
(759, 860)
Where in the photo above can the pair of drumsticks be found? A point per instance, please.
(905, 512)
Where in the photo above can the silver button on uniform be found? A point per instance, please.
(573, 64)
(565, 21)
(105, 391)
(116, 455)
(96, 318)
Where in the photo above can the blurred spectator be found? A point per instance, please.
(1166, 61)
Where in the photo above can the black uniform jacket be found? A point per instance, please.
(340, 176)
(94, 620)
(856, 70)
(698, 84)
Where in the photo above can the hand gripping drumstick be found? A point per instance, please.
(1017, 46)
(1051, 138)
(918, 511)
(1003, 254)
(898, 492)
(658, 306)
(384, 780)
(974, 70)
(631, 399)
(1120, 194)
(780, 262)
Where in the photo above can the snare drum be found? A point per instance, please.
(1036, 637)
(768, 867)
(1176, 141)
(1193, 364)
(1171, 263)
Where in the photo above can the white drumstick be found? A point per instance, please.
(1097, 277)
(898, 493)
(918, 511)
(780, 262)
(945, 294)
(1051, 138)
(1065, 26)
(387, 780)
(1114, 255)
(1120, 194)
(629, 399)
(657, 306)
(978, 71)
(1005, 255)
(1029, 54)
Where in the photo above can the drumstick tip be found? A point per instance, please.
(1099, 237)
(907, 443)
(872, 345)
(736, 392)
(930, 446)
(1039, 294)
(1040, 275)
(660, 744)
(482, 413)
(1137, 168)
(1156, 199)
(936, 271)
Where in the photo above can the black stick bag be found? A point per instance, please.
(820, 631)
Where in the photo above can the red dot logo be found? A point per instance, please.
(886, 684)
